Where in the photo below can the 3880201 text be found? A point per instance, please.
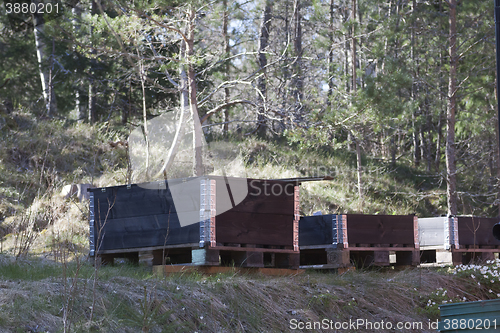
(31, 8)
(472, 324)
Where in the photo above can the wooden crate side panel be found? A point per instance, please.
(254, 228)
(476, 231)
(381, 229)
(265, 217)
(122, 203)
(144, 231)
(432, 231)
(315, 230)
(252, 195)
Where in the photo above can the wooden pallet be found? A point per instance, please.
(231, 256)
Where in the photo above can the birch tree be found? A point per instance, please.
(451, 169)
(44, 65)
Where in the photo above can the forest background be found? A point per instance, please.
(396, 99)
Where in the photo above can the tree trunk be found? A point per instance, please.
(226, 51)
(92, 83)
(354, 92)
(353, 45)
(451, 169)
(297, 83)
(39, 29)
(330, 57)
(184, 111)
(145, 116)
(285, 122)
(265, 26)
(414, 88)
(79, 108)
(198, 139)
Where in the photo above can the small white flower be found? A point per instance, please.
(201, 317)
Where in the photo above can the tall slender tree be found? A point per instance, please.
(265, 27)
(451, 168)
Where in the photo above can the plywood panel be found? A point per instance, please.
(315, 230)
(254, 228)
(476, 231)
(380, 229)
(253, 195)
(146, 231)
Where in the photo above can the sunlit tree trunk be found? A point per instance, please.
(43, 62)
(198, 142)
(92, 83)
(451, 169)
(79, 108)
(226, 51)
(265, 26)
(297, 82)
(330, 56)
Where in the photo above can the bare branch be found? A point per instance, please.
(225, 105)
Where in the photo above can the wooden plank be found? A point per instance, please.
(476, 231)
(254, 228)
(371, 248)
(152, 248)
(254, 195)
(256, 249)
(477, 250)
(314, 247)
(145, 231)
(373, 229)
(122, 202)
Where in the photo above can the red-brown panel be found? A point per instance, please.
(262, 196)
(254, 228)
(380, 229)
(477, 231)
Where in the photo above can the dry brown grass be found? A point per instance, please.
(131, 300)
